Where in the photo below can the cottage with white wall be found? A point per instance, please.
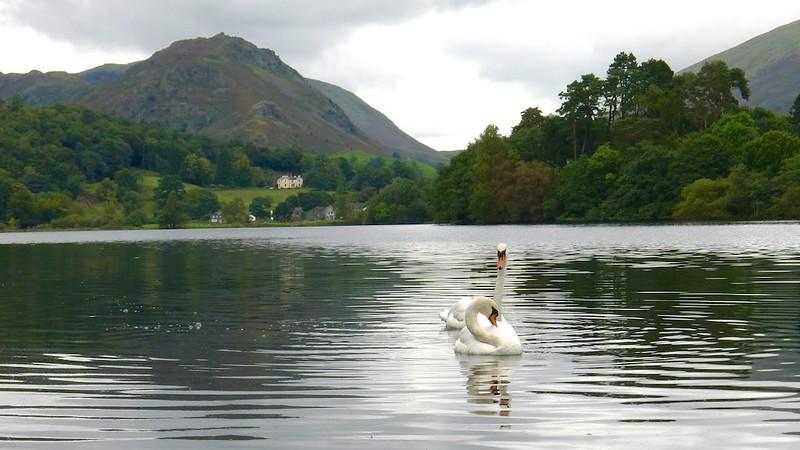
(290, 182)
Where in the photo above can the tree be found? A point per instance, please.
(770, 150)
(403, 201)
(224, 172)
(541, 138)
(313, 199)
(581, 104)
(530, 118)
(325, 175)
(169, 184)
(127, 181)
(172, 214)
(22, 207)
(6, 189)
(522, 195)
(585, 183)
(453, 189)
(283, 211)
(794, 112)
(655, 72)
(260, 207)
(491, 150)
(197, 170)
(750, 195)
(52, 205)
(735, 131)
(242, 172)
(709, 93)
(618, 88)
(701, 155)
(644, 188)
(201, 203)
(107, 190)
(235, 211)
(704, 199)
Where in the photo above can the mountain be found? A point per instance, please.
(373, 122)
(771, 62)
(227, 88)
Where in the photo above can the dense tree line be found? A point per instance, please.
(643, 144)
(55, 161)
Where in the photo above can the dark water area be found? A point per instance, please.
(633, 337)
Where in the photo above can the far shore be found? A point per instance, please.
(329, 223)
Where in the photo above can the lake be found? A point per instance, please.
(634, 337)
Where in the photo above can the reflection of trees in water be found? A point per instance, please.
(656, 303)
(145, 299)
(488, 381)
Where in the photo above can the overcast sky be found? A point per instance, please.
(440, 69)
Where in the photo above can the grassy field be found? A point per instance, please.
(248, 194)
(226, 195)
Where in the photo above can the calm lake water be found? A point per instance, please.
(634, 337)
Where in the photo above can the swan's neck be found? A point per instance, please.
(480, 333)
(499, 287)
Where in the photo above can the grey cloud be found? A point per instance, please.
(298, 28)
(545, 70)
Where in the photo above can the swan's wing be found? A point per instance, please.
(509, 341)
(467, 344)
(453, 317)
(460, 308)
(454, 324)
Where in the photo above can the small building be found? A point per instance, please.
(330, 213)
(290, 182)
(217, 218)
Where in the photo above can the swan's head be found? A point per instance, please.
(493, 316)
(502, 256)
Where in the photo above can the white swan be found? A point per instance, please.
(476, 339)
(453, 317)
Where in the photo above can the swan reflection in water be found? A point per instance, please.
(488, 380)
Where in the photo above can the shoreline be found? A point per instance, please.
(326, 223)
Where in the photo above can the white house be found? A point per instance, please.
(290, 182)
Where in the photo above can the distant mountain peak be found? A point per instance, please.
(229, 88)
(228, 49)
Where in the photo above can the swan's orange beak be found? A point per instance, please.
(493, 317)
(501, 260)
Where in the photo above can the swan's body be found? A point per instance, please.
(454, 316)
(476, 339)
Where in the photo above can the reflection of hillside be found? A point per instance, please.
(488, 380)
(147, 299)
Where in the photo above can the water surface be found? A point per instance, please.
(634, 337)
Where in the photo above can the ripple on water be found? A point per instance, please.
(634, 336)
